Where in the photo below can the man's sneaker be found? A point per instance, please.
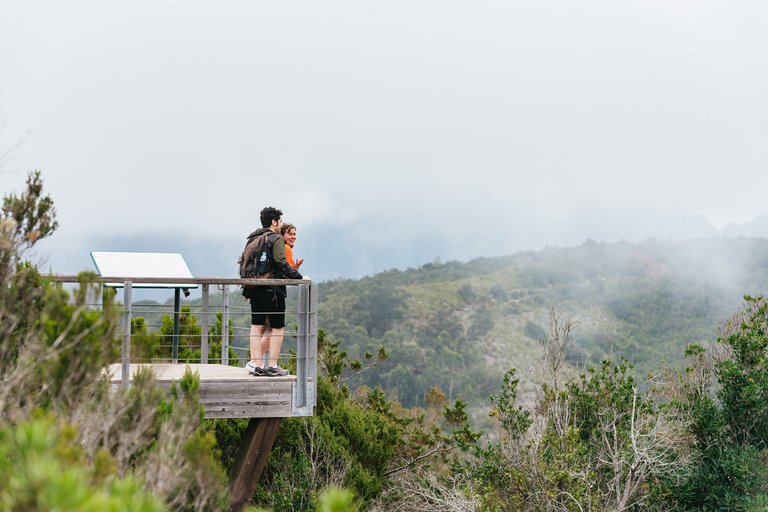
(276, 371)
(251, 367)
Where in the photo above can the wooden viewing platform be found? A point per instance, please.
(230, 391)
(227, 391)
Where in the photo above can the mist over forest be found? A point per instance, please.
(351, 247)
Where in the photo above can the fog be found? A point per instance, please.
(390, 133)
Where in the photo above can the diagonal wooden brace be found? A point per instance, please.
(251, 458)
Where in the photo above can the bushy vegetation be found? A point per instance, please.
(68, 440)
(689, 438)
(405, 355)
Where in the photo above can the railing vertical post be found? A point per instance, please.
(126, 359)
(204, 328)
(302, 337)
(312, 340)
(225, 325)
(176, 308)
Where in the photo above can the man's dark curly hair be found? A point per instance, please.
(269, 214)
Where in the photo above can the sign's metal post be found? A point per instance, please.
(176, 306)
(126, 355)
(301, 346)
(204, 327)
(225, 325)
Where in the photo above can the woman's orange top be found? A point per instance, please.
(289, 256)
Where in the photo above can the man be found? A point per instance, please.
(268, 302)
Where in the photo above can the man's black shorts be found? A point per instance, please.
(265, 303)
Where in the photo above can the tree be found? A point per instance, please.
(593, 444)
(378, 309)
(724, 392)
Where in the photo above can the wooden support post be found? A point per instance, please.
(250, 461)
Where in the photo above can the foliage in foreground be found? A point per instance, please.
(104, 442)
(41, 468)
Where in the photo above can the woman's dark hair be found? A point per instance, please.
(269, 214)
(287, 226)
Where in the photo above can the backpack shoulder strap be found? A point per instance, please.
(271, 237)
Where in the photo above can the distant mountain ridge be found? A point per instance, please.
(374, 243)
(757, 227)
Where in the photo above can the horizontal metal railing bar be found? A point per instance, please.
(210, 336)
(197, 347)
(287, 335)
(136, 306)
(217, 311)
(282, 355)
(213, 310)
(243, 333)
(73, 278)
(217, 337)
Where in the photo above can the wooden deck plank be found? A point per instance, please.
(249, 412)
(250, 402)
(208, 372)
(227, 391)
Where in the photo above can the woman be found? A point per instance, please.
(288, 232)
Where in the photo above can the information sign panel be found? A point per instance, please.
(142, 264)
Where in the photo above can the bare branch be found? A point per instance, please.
(557, 345)
(439, 449)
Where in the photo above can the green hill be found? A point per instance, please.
(461, 325)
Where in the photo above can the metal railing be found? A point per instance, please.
(305, 333)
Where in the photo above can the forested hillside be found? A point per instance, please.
(460, 326)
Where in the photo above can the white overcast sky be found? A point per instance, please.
(153, 116)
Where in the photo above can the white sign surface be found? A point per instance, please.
(142, 264)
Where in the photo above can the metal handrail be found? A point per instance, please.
(73, 278)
